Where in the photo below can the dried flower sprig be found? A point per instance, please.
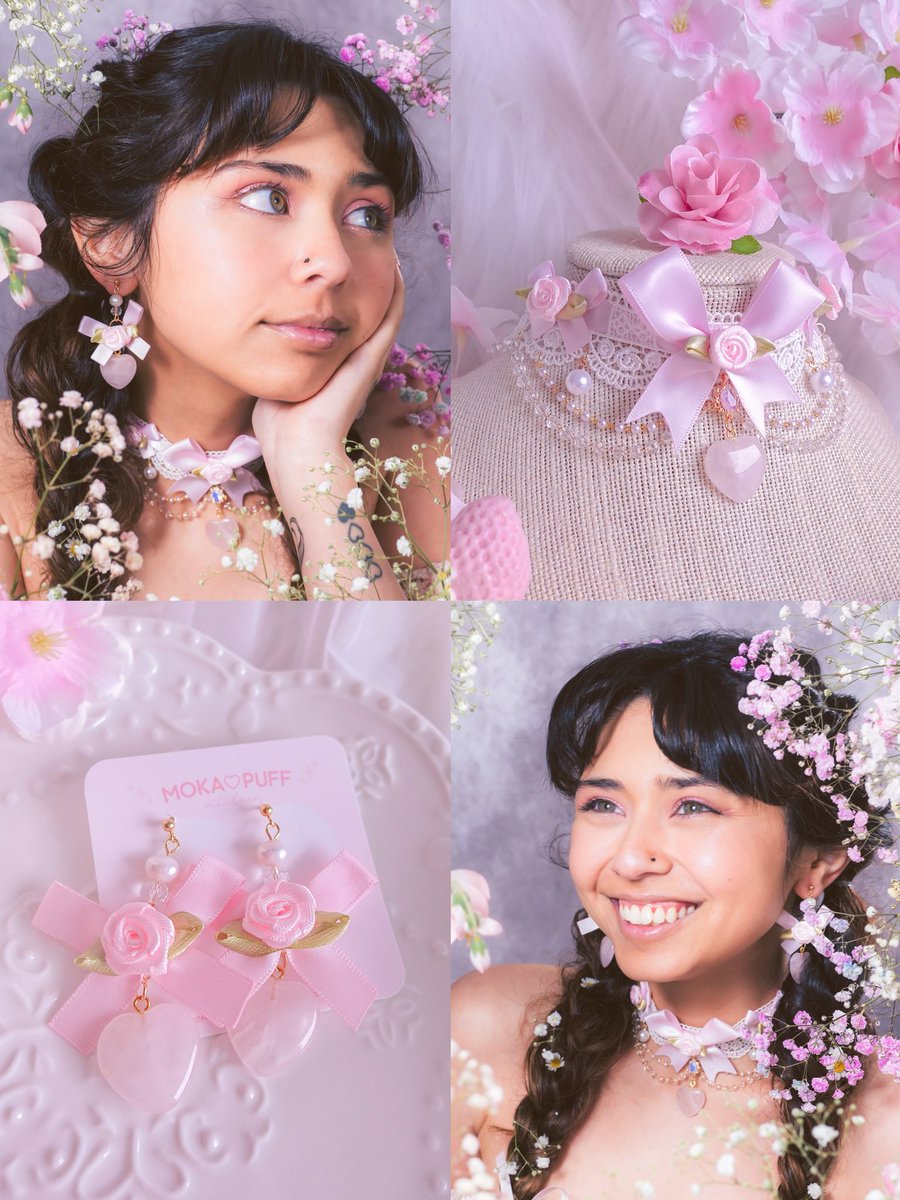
(413, 72)
(473, 624)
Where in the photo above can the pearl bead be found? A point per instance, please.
(643, 1035)
(822, 381)
(578, 382)
(161, 868)
(115, 301)
(272, 854)
(150, 472)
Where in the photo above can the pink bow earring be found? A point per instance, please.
(113, 339)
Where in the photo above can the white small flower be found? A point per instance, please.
(736, 1135)
(43, 546)
(360, 584)
(645, 1189)
(542, 1142)
(554, 1019)
(540, 1030)
(696, 1151)
(55, 528)
(355, 498)
(443, 465)
(324, 488)
(70, 445)
(327, 572)
(401, 479)
(96, 78)
(725, 1166)
(102, 450)
(824, 1134)
(390, 464)
(274, 527)
(81, 512)
(246, 559)
(327, 468)
(542, 1162)
(227, 561)
(815, 1191)
(97, 490)
(404, 546)
(362, 472)
(56, 593)
(768, 1129)
(29, 413)
(553, 1060)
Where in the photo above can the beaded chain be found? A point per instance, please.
(163, 505)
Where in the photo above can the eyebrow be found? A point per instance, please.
(672, 783)
(303, 174)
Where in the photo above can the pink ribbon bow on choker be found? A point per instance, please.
(665, 293)
(327, 971)
(682, 1045)
(578, 310)
(201, 983)
(201, 471)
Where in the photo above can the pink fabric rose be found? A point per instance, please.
(216, 471)
(136, 940)
(549, 296)
(280, 913)
(731, 347)
(703, 202)
(115, 337)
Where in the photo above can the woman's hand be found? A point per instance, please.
(304, 434)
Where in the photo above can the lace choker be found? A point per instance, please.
(695, 1053)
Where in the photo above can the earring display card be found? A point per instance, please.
(313, 1130)
(215, 795)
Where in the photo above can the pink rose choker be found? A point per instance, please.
(635, 365)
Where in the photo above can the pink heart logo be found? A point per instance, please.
(119, 370)
(231, 781)
(275, 1026)
(148, 1057)
(736, 466)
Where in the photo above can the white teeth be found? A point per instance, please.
(649, 914)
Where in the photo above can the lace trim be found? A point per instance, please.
(623, 361)
(737, 1047)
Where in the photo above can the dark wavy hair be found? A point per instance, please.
(198, 96)
(693, 693)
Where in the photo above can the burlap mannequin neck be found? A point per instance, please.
(648, 526)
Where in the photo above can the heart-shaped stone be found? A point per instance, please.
(276, 1025)
(736, 466)
(690, 1100)
(119, 370)
(148, 1057)
(223, 532)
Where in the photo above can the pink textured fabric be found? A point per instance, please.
(489, 553)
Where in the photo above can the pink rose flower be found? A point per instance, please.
(136, 940)
(115, 337)
(280, 913)
(731, 347)
(702, 202)
(216, 472)
(549, 296)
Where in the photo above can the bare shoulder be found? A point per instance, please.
(16, 469)
(870, 1144)
(493, 1014)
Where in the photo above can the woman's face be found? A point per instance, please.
(268, 270)
(652, 843)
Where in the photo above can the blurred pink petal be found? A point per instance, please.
(475, 886)
(786, 25)
(879, 307)
(53, 658)
(811, 243)
(482, 323)
(683, 38)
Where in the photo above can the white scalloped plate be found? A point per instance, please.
(353, 1102)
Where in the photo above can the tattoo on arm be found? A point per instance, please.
(297, 533)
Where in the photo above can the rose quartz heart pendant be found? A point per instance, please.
(223, 532)
(148, 1057)
(119, 370)
(736, 466)
(276, 1025)
(690, 1100)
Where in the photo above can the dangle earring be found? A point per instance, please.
(607, 949)
(801, 932)
(110, 341)
(283, 920)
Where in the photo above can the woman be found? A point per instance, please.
(240, 186)
(692, 849)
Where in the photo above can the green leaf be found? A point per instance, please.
(641, 198)
(746, 245)
(891, 73)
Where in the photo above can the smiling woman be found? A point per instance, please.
(224, 219)
(703, 863)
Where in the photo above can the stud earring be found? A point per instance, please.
(110, 341)
(284, 919)
(146, 1050)
(306, 260)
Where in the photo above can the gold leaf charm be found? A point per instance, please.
(763, 346)
(697, 346)
(576, 306)
(328, 928)
(524, 293)
(187, 929)
(97, 337)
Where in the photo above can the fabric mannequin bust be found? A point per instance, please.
(610, 509)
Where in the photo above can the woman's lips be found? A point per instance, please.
(311, 337)
(655, 919)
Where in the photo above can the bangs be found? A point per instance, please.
(247, 85)
(694, 704)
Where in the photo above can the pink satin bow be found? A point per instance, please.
(681, 1045)
(104, 352)
(201, 983)
(665, 293)
(327, 971)
(576, 331)
(201, 472)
